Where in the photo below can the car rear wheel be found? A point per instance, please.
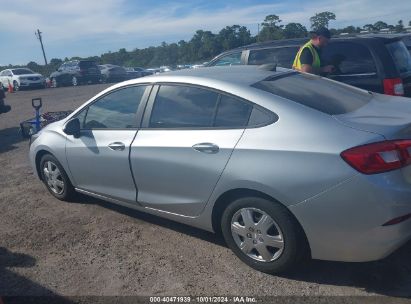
(16, 86)
(74, 81)
(263, 234)
(55, 178)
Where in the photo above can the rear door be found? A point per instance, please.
(355, 65)
(187, 138)
(99, 158)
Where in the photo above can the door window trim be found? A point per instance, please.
(156, 87)
(139, 113)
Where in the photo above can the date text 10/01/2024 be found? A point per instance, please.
(203, 299)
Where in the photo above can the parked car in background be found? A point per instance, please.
(137, 72)
(21, 78)
(76, 72)
(112, 73)
(227, 153)
(372, 62)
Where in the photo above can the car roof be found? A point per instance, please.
(240, 75)
(301, 41)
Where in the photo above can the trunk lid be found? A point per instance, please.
(388, 116)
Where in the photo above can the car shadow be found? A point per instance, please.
(9, 138)
(153, 219)
(390, 276)
(15, 288)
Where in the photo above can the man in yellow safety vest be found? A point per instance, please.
(308, 58)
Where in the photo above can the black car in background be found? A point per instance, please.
(76, 72)
(112, 73)
(373, 62)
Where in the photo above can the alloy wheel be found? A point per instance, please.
(257, 235)
(53, 177)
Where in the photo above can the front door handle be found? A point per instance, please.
(206, 148)
(117, 146)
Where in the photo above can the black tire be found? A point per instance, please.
(285, 229)
(16, 86)
(66, 192)
(74, 81)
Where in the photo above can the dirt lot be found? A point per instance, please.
(90, 247)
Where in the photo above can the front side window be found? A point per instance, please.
(348, 58)
(283, 56)
(182, 107)
(116, 110)
(230, 59)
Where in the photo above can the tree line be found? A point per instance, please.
(204, 45)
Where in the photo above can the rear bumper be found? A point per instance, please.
(345, 223)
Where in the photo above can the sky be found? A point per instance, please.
(93, 27)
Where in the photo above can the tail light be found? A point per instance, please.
(379, 157)
(393, 86)
(398, 220)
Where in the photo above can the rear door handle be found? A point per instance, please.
(117, 146)
(206, 148)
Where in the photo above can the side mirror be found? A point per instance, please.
(73, 128)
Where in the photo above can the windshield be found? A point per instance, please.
(401, 56)
(318, 93)
(22, 71)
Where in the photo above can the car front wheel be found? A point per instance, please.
(55, 178)
(263, 234)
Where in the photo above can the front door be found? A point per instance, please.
(99, 158)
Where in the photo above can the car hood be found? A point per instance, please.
(388, 116)
(29, 75)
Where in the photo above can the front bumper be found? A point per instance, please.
(32, 84)
(345, 223)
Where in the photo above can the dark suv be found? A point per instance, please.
(76, 72)
(373, 63)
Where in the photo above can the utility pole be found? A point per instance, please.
(38, 35)
(258, 32)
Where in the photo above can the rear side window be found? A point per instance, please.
(230, 59)
(283, 56)
(349, 58)
(321, 94)
(401, 56)
(182, 107)
(232, 112)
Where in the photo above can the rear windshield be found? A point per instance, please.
(321, 94)
(87, 64)
(401, 56)
(22, 71)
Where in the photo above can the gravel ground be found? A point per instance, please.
(90, 247)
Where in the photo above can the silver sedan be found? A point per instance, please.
(285, 165)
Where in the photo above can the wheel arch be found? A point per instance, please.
(38, 158)
(231, 195)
